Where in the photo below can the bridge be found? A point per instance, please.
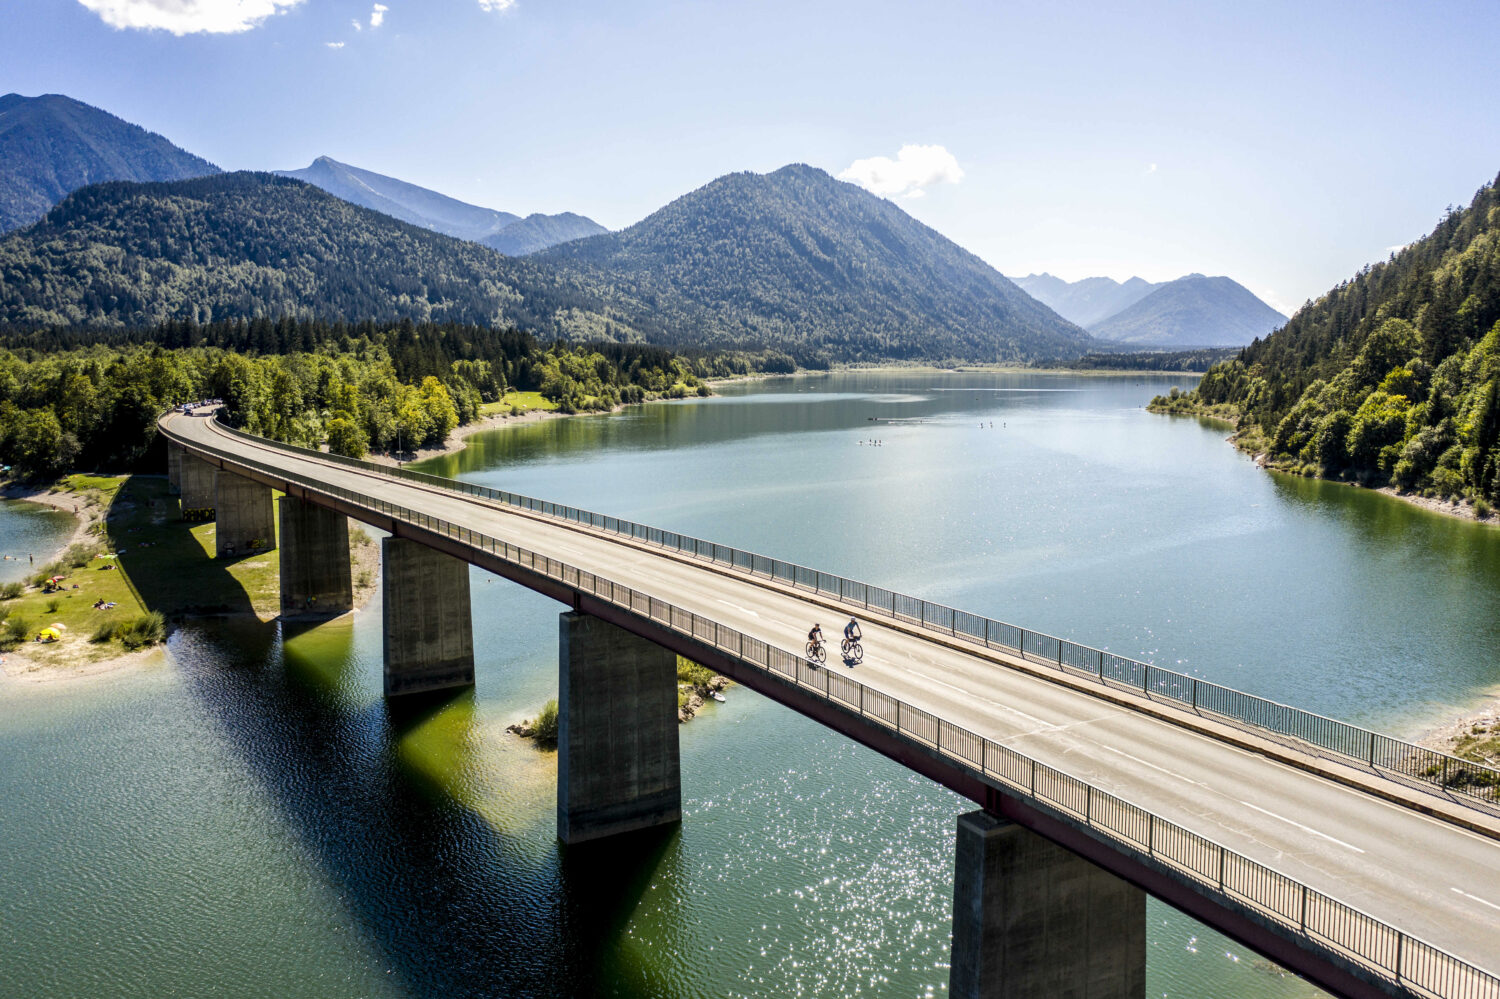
(1367, 865)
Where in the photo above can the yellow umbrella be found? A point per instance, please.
(50, 635)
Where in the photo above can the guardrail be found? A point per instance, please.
(1384, 754)
(1333, 927)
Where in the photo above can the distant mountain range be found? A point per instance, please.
(793, 260)
(503, 231)
(1192, 311)
(52, 145)
(1087, 301)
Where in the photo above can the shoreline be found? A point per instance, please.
(18, 670)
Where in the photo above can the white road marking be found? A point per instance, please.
(1046, 725)
(742, 610)
(1153, 766)
(1304, 828)
(1476, 898)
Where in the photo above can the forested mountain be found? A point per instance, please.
(52, 145)
(504, 231)
(793, 261)
(1193, 311)
(1086, 301)
(1393, 376)
(799, 260)
(537, 232)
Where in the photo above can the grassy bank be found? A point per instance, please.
(134, 552)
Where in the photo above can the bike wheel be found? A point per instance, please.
(856, 652)
(817, 654)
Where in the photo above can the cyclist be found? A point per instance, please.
(815, 638)
(852, 633)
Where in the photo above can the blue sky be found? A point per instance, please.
(1283, 144)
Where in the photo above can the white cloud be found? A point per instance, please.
(1151, 169)
(377, 15)
(358, 24)
(188, 17)
(913, 169)
(334, 45)
(496, 5)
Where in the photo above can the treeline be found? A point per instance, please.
(70, 398)
(1392, 376)
(1200, 359)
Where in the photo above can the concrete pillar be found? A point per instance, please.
(199, 482)
(174, 469)
(316, 577)
(617, 761)
(429, 635)
(246, 518)
(1031, 919)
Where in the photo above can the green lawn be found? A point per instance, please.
(522, 401)
(163, 564)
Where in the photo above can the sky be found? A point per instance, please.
(1285, 144)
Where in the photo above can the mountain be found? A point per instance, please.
(1193, 311)
(793, 260)
(52, 145)
(503, 231)
(1086, 301)
(1391, 377)
(800, 261)
(537, 232)
(254, 244)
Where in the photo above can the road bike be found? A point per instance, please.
(854, 652)
(816, 654)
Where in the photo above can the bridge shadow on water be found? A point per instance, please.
(453, 905)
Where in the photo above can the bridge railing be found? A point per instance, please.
(1383, 754)
(1324, 923)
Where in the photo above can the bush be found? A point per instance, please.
(10, 591)
(691, 673)
(1482, 508)
(143, 629)
(17, 630)
(545, 726)
(105, 631)
(79, 555)
(52, 605)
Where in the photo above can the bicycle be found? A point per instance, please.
(854, 653)
(816, 654)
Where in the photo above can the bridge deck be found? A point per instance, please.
(1428, 877)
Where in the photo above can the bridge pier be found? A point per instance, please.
(429, 633)
(246, 518)
(316, 575)
(1033, 919)
(199, 484)
(618, 768)
(174, 469)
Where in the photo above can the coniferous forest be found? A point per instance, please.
(1392, 377)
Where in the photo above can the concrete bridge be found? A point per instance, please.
(1368, 866)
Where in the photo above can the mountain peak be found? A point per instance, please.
(53, 144)
(1193, 311)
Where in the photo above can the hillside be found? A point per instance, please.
(1193, 311)
(785, 271)
(1393, 376)
(503, 231)
(800, 261)
(247, 245)
(52, 145)
(537, 232)
(1086, 301)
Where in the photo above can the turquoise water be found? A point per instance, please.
(249, 819)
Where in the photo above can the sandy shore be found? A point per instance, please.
(458, 439)
(1443, 737)
(83, 509)
(1464, 510)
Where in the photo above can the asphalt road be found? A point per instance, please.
(1429, 878)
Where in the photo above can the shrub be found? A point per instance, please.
(143, 629)
(1482, 508)
(691, 673)
(52, 605)
(105, 631)
(17, 630)
(79, 555)
(545, 725)
(10, 591)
